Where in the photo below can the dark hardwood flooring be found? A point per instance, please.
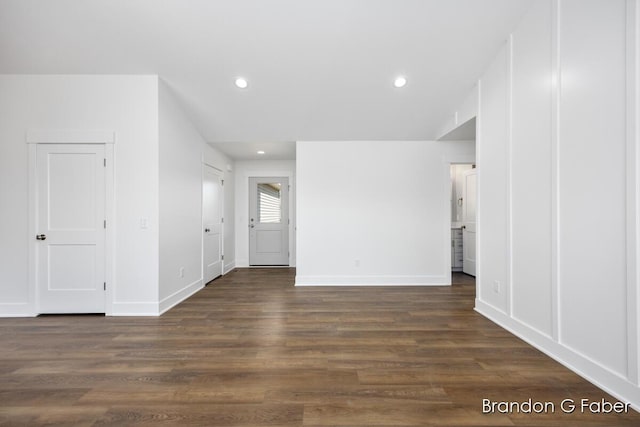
(253, 350)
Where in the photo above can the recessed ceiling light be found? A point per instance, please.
(242, 83)
(400, 81)
(260, 152)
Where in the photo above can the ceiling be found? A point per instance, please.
(317, 69)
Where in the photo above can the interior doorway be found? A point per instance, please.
(70, 238)
(212, 223)
(463, 203)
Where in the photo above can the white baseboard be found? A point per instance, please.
(607, 380)
(228, 267)
(371, 281)
(135, 309)
(179, 296)
(22, 309)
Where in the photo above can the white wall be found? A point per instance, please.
(557, 188)
(220, 161)
(124, 104)
(261, 168)
(181, 148)
(374, 212)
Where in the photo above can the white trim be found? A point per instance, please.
(110, 232)
(32, 227)
(555, 170)
(135, 309)
(70, 136)
(19, 309)
(633, 187)
(478, 188)
(603, 378)
(372, 281)
(179, 296)
(509, 190)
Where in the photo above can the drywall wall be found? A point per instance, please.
(557, 188)
(493, 173)
(126, 105)
(180, 147)
(261, 168)
(374, 212)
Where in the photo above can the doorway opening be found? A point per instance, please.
(269, 221)
(212, 223)
(463, 203)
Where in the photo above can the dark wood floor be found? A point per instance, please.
(252, 350)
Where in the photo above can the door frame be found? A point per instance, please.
(292, 218)
(102, 137)
(447, 161)
(285, 195)
(220, 174)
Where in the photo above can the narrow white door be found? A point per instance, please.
(70, 247)
(269, 221)
(469, 222)
(212, 222)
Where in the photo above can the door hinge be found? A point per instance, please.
(222, 220)
(288, 187)
(105, 286)
(222, 257)
(105, 163)
(222, 182)
(105, 223)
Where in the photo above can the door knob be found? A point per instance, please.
(252, 226)
(463, 227)
(41, 237)
(206, 230)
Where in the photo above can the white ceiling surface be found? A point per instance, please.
(317, 69)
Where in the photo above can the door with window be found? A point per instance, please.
(269, 221)
(70, 248)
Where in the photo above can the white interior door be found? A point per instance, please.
(469, 203)
(212, 221)
(70, 248)
(269, 221)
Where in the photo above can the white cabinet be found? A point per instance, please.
(456, 249)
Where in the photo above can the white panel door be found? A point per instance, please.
(212, 222)
(269, 221)
(469, 203)
(70, 246)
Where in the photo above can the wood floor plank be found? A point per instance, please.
(251, 349)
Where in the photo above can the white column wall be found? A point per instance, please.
(180, 147)
(557, 188)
